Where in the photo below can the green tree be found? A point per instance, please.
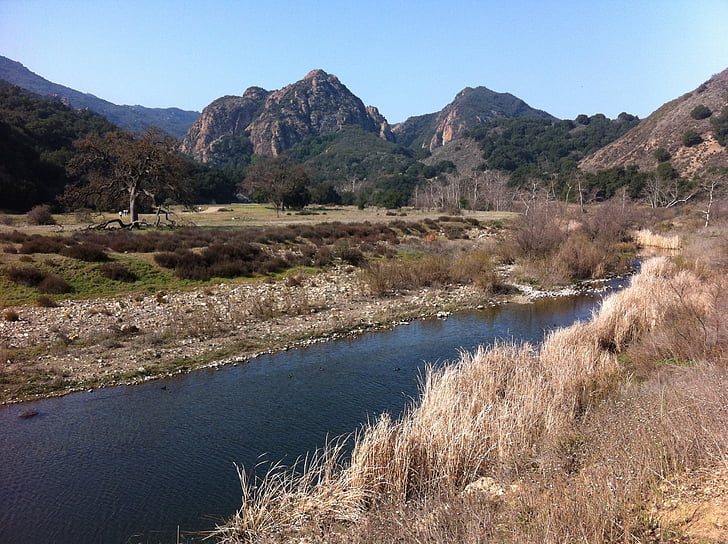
(279, 181)
(662, 154)
(720, 127)
(119, 168)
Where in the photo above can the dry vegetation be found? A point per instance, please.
(569, 442)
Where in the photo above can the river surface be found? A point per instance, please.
(133, 464)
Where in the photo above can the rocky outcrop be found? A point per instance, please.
(225, 117)
(278, 120)
(472, 107)
(664, 129)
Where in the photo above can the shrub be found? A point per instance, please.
(118, 272)
(701, 111)
(43, 244)
(41, 215)
(44, 301)
(720, 127)
(86, 251)
(662, 154)
(10, 315)
(691, 138)
(27, 275)
(9, 249)
(54, 285)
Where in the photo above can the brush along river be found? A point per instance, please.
(134, 464)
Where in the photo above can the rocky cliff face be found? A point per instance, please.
(275, 121)
(471, 107)
(664, 128)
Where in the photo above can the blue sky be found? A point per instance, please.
(406, 58)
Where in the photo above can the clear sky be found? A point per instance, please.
(407, 58)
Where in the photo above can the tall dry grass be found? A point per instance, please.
(573, 442)
(646, 238)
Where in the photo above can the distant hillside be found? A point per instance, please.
(698, 111)
(173, 121)
(36, 140)
(471, 108)
(530, 148)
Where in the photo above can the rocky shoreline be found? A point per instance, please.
(86, 344)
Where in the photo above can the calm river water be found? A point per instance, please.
(132, 464)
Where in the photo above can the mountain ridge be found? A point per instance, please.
(174, 121)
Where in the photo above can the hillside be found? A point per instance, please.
(173, 121)
(472, 107)
(665, 129)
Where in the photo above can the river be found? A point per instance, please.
(133, 464)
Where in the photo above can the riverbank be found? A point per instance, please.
(84, 344)
(594, 436)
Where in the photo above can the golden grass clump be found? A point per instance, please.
(646, 238)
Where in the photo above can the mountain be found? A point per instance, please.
(173, 121)
(472, 107)
(696, 111)
(271, 122)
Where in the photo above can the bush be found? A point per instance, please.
(43, 244)
(54, 285)
(41, 215)
(86, 251)
(662, 154)
(10, 315)
(118, 272)
(30, 276)
(701, 111)
(691, 138)
(44, 301)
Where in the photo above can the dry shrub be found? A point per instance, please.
(10, 315)
(53, 284)
(582, 257)
(45, 301)
(86, 251)
(477, 267)
(43, 244)
(118, 272)
(40, 215)
(27, 275)
(539, 232)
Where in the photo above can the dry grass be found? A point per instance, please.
(387, 277)
(646, 238)
(572, 444)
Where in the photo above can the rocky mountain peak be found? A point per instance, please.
(275, 121)
(471, 107)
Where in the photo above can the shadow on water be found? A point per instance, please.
(131, 464)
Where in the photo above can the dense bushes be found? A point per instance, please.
(45, 282)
